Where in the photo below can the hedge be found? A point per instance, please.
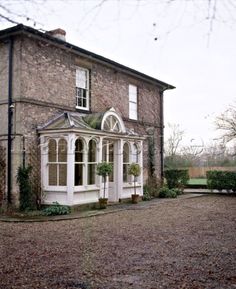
(176, 178)
(221, 180)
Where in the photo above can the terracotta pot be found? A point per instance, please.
(135, 198)
(103, 203)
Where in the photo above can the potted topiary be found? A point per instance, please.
(135, 171)
(104, 169)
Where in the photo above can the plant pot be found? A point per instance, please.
(103, 203)
(135, 198)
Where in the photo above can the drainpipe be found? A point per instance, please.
(162, 135)
(10, 112)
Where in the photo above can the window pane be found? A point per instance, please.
(106, 125)
(91, 174)
(81, 97)
(104, 151)
(133, 93)
(62, 150)
(92, 151)
(52, 150)
(111, 153)
(111, 176)
(126, 153)
(135, 155)
(79, 92)
(52, 174)
(81, 78)
(79, 150)
(125, 173)
(78, 101)
(78, 174)
(133, 110)
(84, 102)
(62, 175)
(112, 124)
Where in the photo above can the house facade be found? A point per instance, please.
(64, 109)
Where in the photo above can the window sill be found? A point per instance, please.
(82, 108)
(131, 185)
(81, 189)
(62, 189)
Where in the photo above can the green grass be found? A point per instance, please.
(197, 182)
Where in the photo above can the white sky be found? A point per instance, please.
(201, 67)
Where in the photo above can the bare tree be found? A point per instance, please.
(9, 12)
(226, 123)
(172, 144)
(207, 11)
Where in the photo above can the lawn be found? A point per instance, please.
(197, 182)
(183, 243)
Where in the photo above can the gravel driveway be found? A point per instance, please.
(172, 244)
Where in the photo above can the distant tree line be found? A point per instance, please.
(222, 152)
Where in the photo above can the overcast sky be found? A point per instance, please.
(174, 41)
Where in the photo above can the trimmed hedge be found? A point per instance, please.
(176, 178)
(221, 180)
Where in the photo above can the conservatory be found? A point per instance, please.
(73, 144)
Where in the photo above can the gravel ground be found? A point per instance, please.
(175, 244)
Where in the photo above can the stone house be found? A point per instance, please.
(64, 109)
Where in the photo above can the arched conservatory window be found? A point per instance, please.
(79, 162)
(92, 162)
(57, 162)
(135, 154)
(126, 162)
(112, 124)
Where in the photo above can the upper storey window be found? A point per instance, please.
(82, 88)
(133, 103)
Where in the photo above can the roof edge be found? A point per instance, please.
(26, 29)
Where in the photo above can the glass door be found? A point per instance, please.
(108, 156)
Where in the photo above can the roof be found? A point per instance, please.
(79, 121)
(20, 28)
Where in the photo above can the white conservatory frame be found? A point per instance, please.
(75, 195)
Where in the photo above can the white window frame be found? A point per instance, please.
(92, 163)
(87, 88)
(57, 163)
(133, 102)
(136, 157)
(126, 163)
(81, 163)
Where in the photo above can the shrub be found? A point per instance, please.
(23, 179)
(221, 180)
(134, 170)
(104, 169)
(176, 178)
(146, 193)
(56, 209)
(167, 193)
(177, 191)
(153, 186)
